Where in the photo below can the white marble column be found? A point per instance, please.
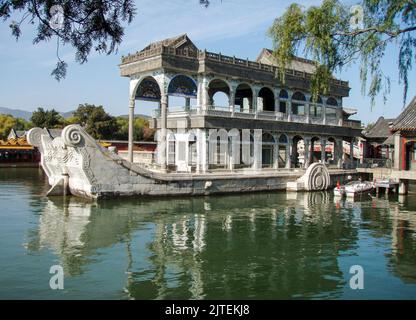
(323, 146)
(187, 103)
(306, 155)
(163, 119)
(307, 108)
(398, 152)
(289, 154)
(276, 102)
(231, 102)
(257, 156)
(203, 95)
(276, 149)
(352, 153)
(254, 101)
(202, 159)
(131, 129)
(339, 150)
(199, 93)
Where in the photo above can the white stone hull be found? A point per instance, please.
(76, 164)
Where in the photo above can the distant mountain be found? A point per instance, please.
(137, 115)
(67, 115)
(17, 113)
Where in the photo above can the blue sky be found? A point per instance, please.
(232, 27)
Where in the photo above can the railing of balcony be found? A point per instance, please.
(356, 124)
(158, 50)
(375, 163)
(298, 118)
(316, 120)
(218, 111)
(226, 111)
(332, 121)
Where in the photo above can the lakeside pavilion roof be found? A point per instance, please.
(406, 121)
(16, 144)
(297, 63)
(381, 129)
(180, 55)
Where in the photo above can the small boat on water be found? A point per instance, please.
(339, 191)
(354, 188)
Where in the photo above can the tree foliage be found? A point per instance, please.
(96, 121)
(8, 122)
(85, 25)
(47, 119)
(141, 129)
(335, 35)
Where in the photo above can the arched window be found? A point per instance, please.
(318, 100)
(283, 139)
(171, 149)
(148, 90)
(298, 105)
(315, 108)
(267, 138)
(331, 112)
(267, 149)
(244, 97)
(218, 86)
(299, 96)
(182, 86)
(332, 102)
(266, 99)
(283, 96)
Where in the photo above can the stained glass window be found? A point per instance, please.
(331, 102)
(148, 90)
(283, 94)
(283, 138)
(182, 86)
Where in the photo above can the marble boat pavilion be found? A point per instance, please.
(296, 131)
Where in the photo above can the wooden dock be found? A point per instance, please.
(386, 185)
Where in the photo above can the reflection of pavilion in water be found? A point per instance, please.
(262, 245)
(390, 217)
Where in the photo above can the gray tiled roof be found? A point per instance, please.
(20, 133)
(407, 119)
(381, 129)
(54, 132)
(389, 141)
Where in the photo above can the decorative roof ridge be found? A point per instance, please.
(297, 58)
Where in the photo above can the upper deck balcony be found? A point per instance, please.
(180, 54)
(228, 112)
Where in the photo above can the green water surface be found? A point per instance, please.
(249, 246)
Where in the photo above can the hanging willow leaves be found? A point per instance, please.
(335, 35)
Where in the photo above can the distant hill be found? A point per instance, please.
(17, 113)
(139, 115)
(67, 115)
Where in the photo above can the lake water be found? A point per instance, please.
(251, 246)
